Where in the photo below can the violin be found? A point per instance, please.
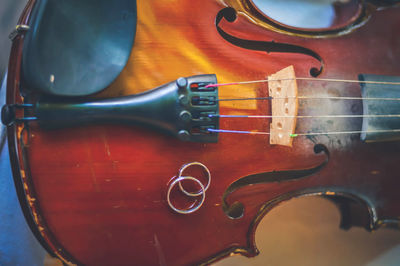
(164, 135)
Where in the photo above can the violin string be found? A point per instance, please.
(311, 98)
(293, 135)
(305, 116)
(300, 78)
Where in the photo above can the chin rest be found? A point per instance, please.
(77, 47)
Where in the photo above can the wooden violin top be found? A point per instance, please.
(102, 194)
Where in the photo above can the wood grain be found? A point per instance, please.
(97, 194)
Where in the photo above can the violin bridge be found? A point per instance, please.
(282, 87)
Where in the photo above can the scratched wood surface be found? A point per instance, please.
(97, 193)
(305, 232)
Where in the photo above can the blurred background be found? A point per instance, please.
(303, 231)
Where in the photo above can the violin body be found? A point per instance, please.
(97, 194)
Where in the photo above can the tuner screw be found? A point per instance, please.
(185, 116)
(183, 135)
(181, 82)
(183, 100)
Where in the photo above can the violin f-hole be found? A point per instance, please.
(229, 14)
(236, 209)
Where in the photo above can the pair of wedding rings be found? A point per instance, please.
(178, 181)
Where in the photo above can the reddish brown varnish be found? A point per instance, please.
(97, 194)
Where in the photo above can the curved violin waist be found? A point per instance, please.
(106, 179)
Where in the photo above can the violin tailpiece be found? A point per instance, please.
(282, 87)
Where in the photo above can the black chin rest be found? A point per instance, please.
(77, 47)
